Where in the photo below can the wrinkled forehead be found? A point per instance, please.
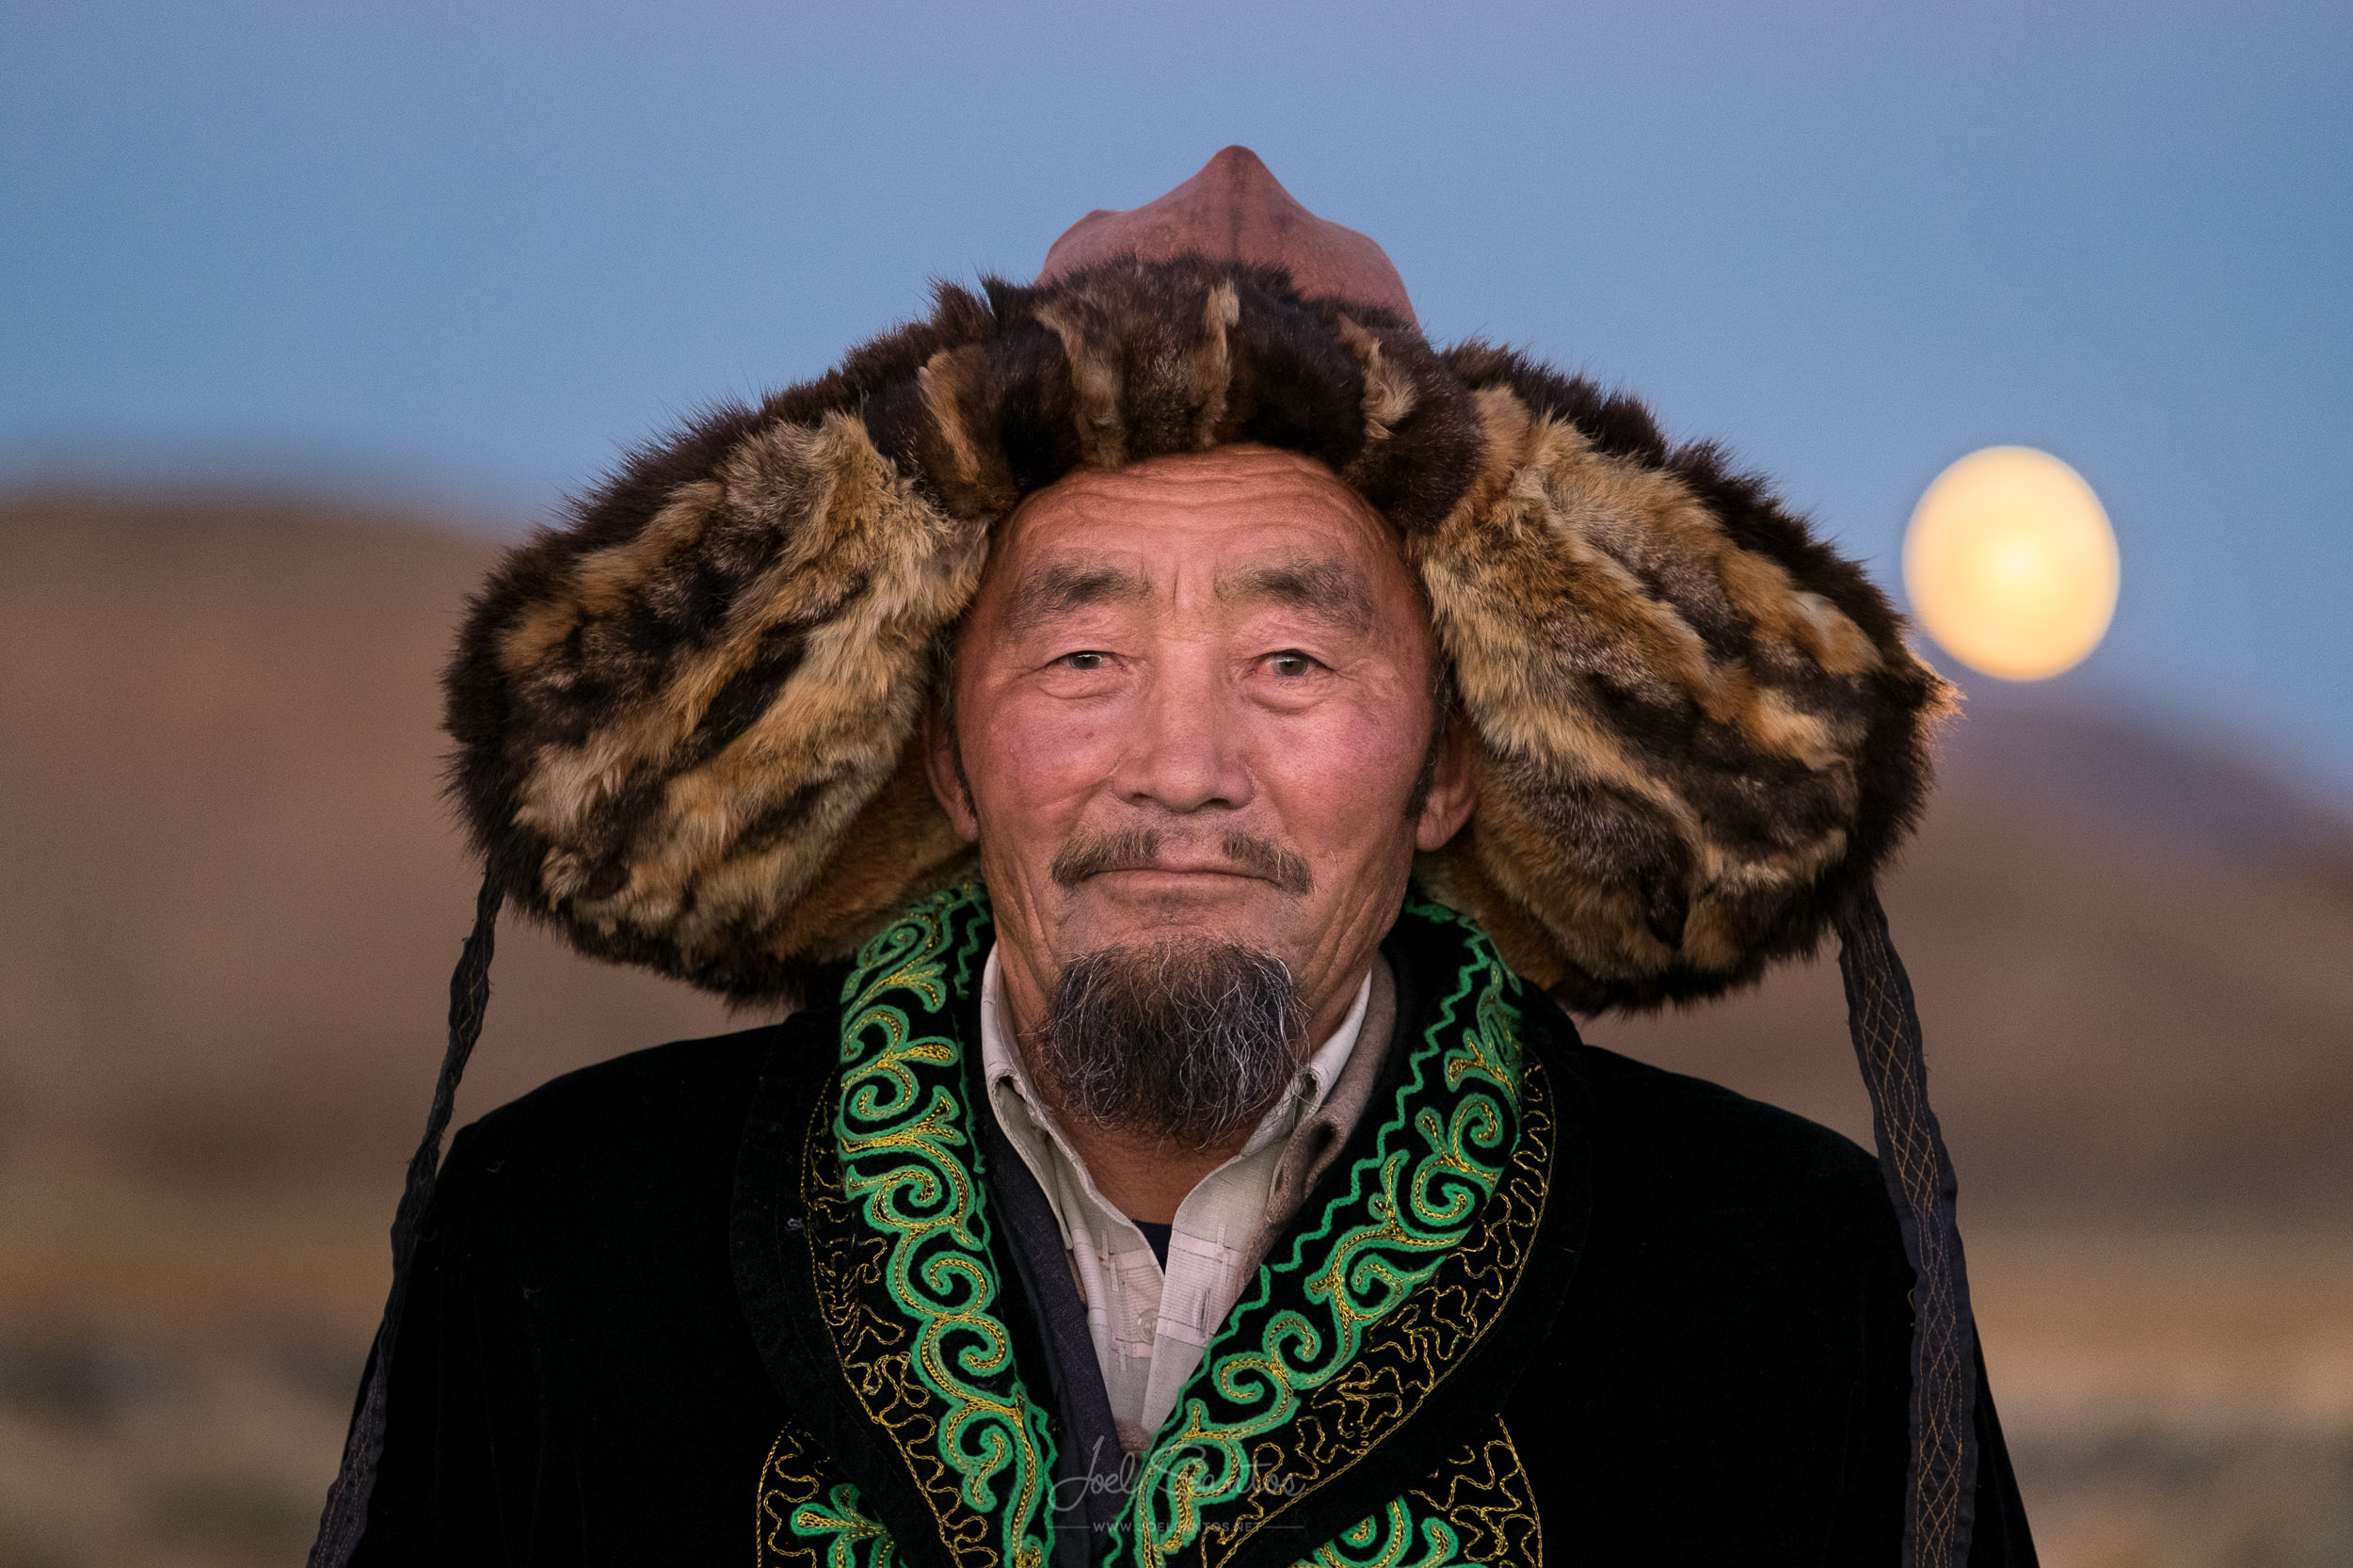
(1244, 521)
(1225, 476)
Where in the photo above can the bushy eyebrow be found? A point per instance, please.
(1057, 587)
(1325, 589)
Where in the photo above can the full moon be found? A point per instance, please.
(2011, 564)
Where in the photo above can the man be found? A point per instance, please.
(1175, 736)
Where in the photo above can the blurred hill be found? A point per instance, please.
(230, 895)
(2134, 959)
(229, 889)
(229, 892)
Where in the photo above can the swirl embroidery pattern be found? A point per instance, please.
(810, 1516)
(1478, 1509)
(902, 1147)
(1342, 1339)
(1411, 1209)
(1484, 1494)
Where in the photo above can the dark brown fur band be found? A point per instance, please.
(683, 722)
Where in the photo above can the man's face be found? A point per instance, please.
(1194, 702)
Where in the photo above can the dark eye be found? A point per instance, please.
(1291, 665)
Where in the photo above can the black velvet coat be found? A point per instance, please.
(661, 1314)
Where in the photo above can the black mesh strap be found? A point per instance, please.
(346, 1511)
(1886, 1030)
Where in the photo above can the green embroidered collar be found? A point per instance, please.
(1374, 1298)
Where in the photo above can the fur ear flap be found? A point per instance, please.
(668, 739)
(1698, 728)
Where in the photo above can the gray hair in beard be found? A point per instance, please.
(1186, 1041)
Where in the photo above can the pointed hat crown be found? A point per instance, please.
(1235, 210)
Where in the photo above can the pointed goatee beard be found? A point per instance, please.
(1186, 1041)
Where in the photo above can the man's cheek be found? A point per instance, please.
(1052, 750)
(1342, 762)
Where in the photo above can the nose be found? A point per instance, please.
(1186, 750)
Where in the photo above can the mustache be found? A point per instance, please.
(1137, 847)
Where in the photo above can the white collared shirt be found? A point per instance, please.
(1150, 1324)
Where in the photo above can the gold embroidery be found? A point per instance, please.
(1404, 1358)
(1347, 1335)
(900, 1240)
(808, 1515)
(1485, 1492)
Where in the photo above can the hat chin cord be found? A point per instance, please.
(346, 1511)
(1880, 1015)
(1940, 1508)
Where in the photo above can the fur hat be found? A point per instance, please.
(689, 722)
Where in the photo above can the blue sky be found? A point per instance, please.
(467, 251)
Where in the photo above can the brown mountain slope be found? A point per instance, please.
(228, 893)
(228, 890)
